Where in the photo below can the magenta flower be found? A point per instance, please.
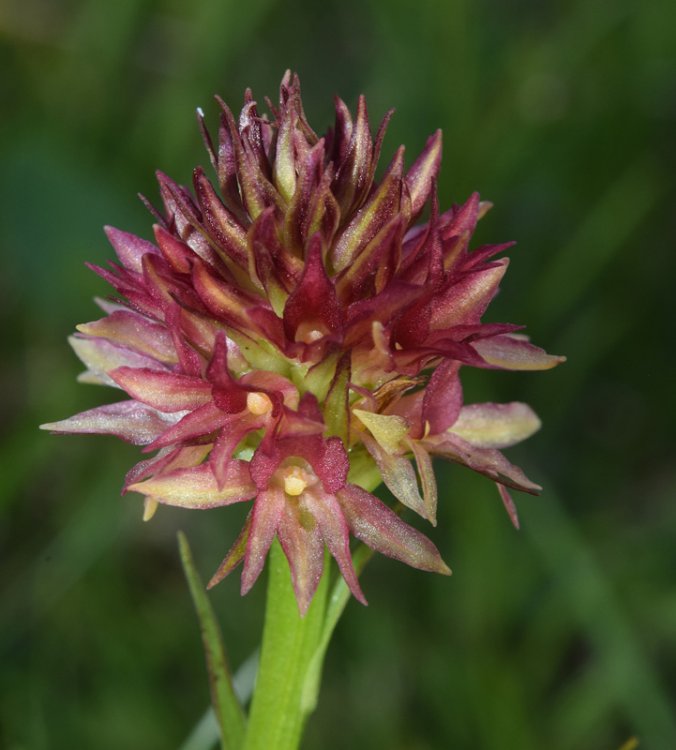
(296, 331)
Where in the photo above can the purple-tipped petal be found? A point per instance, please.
(380, 528)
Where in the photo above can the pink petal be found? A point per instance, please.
(134, 422)
(166, 461)
(135, 331)
(196, 487)
(235, 555)
(466, 300)
(234, 430)
(373, 523)
(221, 299)
(176, 252)
(267, 511)
(358, 279)
(228, 394)
(514, 352)
(336, 533)
(230, 237)
(165, 391)
(304, 549)
(509, 505)
(102, 357)
(130, 249)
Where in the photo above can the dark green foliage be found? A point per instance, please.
(560, 636)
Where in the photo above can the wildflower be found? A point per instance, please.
(296, 323)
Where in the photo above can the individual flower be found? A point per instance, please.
(297, 330)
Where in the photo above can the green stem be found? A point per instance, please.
(277, 712)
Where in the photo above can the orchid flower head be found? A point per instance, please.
(294, 318)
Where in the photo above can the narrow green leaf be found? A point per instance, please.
(226, 706)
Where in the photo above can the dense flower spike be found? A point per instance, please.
(295, 323)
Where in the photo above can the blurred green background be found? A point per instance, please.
(562, 636)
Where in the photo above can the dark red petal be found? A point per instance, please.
(228, 394)
(313, 305)
(443, 397)
(202, 421)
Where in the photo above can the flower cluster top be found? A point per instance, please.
(293, 337)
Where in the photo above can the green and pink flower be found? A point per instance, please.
(297, 329)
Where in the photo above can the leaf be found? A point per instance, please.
(226, 706)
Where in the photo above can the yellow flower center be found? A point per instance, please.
(258, 403)
(294, 481)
